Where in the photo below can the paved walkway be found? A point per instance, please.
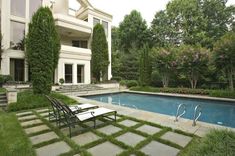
(108, 139)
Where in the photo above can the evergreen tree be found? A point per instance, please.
(42, 50)
(100, 56)
(145, 66)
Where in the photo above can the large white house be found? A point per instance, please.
(75, 28)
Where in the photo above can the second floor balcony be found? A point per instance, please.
(71, 25)
(70, 52)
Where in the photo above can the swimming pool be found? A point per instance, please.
(216, 112)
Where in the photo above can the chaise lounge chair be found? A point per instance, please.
(72, 119)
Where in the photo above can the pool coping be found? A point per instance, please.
(200, 129)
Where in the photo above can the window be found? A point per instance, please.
(17, 35)
(18, 7)
(105, 25)
(80, 74)
(17, 69)
(84, 44)
(33, 6)
(75, 43)
(96, 21)
(68, 73)
(79, 44)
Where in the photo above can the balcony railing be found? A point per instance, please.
(71, 49)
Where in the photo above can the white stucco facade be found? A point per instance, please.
(75, 32)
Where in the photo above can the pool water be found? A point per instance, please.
(216, 112)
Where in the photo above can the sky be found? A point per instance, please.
(120, 8)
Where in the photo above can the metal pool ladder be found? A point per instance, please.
(197, 109)
(177, 116)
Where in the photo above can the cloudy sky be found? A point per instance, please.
(120, 8)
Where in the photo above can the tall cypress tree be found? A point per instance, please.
(145, 66)
(100, 56)
(42, 50)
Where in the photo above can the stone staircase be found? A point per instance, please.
(79, 88)
(3, 100)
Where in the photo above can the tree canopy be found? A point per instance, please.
(133, 31)
(224, 56)
(42, 50)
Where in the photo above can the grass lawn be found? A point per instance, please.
(13, 141)
(2, 90)
(28, 100)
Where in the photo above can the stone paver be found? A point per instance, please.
(31, 122)
(105, 149)
(30, 117)
(42, 110)
(179, 139)
(36, 129)
(85, 138)
(128, 123)
(110, 129)
(77, 129)
(91, 123)
(44, 114)
(148, 129)
(43, 137)
(54, 149)
(130, 139)
(24, 113)
(155, 148)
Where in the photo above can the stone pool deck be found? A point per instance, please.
(200, 129)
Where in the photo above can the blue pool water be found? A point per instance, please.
(217, 112)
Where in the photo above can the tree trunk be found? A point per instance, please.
(165, 80)
(230, 78)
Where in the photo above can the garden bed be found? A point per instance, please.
(212, 93)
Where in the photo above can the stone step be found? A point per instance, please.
(3, 104)
(3, 101)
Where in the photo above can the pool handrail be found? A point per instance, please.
(198, 108)
(177, 116)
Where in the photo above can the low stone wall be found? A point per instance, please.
(11, 95)
(108, 85)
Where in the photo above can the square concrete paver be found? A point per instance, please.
(36, 129)
(91, 123)
(105, 149)
(44, 114)
(54, 149)
(110, 129)
(85, 138)
(42, 110)
(148, 129)
(130, 139)
(43, 137)
(23, 113)
(179, 139)
(31, 122)
(155, 148)
(29, 117)
(128, 123)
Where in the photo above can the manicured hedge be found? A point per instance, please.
(212, 93)
(28, 100)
